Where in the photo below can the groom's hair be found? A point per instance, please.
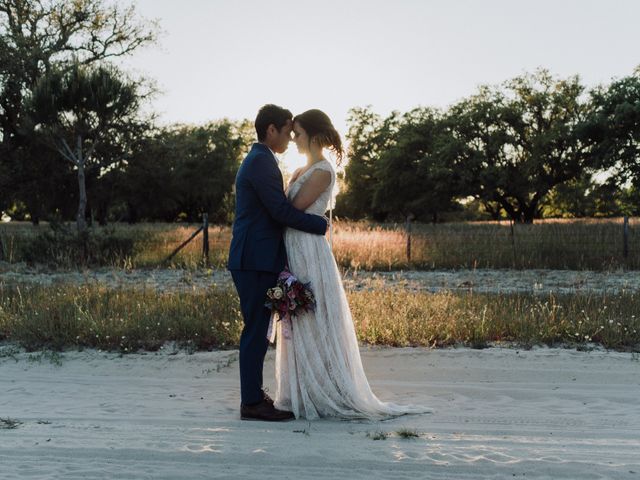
(271, 115)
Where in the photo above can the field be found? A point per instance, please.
(126, 320)
(111, 303)
(585, 244)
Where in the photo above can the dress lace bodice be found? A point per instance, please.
(321, 205)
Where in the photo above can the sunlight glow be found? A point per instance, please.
(291, 159)
(227, 58)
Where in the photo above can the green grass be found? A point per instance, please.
(407, 433)
(118, 319)
(377, 435)
(126, 320)
(9, 424)
(592, 244)
(387, 317)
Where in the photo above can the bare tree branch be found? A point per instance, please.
(67, 152)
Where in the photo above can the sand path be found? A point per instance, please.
(487, 280)
(498, 413)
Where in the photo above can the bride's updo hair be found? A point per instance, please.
(320, 129)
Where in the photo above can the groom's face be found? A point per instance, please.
(282, 138)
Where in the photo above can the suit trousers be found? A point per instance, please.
(252, 289)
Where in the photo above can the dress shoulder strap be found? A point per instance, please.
(324, 165)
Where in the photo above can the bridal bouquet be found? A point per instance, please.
(290, 297)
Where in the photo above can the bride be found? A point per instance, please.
(319, 372)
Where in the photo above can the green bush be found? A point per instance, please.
(62, 247)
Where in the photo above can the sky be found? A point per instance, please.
(227, 58)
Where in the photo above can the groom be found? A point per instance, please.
(257, 253)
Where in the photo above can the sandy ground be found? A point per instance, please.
(498, 413)
(490, 281)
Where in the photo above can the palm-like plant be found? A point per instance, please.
(77, 110)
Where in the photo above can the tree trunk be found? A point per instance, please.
(82, 204)
(528, 216)
(132, 214)
(101, 214)
(514, 214)
(529, 212)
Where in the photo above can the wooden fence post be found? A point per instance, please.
(205, 238)
(408, 230)
(513, 243)
(182, 245)
(625, 239)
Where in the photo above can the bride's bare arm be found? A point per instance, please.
(311, 189)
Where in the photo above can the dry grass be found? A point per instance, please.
(557, 244)
(118, 319)
(388, 317)
(160, 240)
(152, 244)
(592, 244)
(66, 316)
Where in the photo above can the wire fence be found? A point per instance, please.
(576, 244)
(589, 244)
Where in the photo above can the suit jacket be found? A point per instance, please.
(262, 211)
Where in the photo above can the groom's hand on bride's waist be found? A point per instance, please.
(327, 222)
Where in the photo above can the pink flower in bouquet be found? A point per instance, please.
(290, 296)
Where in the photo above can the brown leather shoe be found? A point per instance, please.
(264, 411)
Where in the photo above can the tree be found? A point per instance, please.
(571, 199)
(106, 174)
(46, 185)
(369, 135)
(584, 197)
(518, 141)
(414, 180)
(630, 201)
(77, 110)
(614, 126)
(193, 166)
(208, 159)
(37, 37)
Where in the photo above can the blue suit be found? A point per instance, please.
(257, 255)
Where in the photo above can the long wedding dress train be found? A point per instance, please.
(319, 372)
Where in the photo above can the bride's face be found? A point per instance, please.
(301, 138)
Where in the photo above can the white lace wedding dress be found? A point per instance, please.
(319, 372)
